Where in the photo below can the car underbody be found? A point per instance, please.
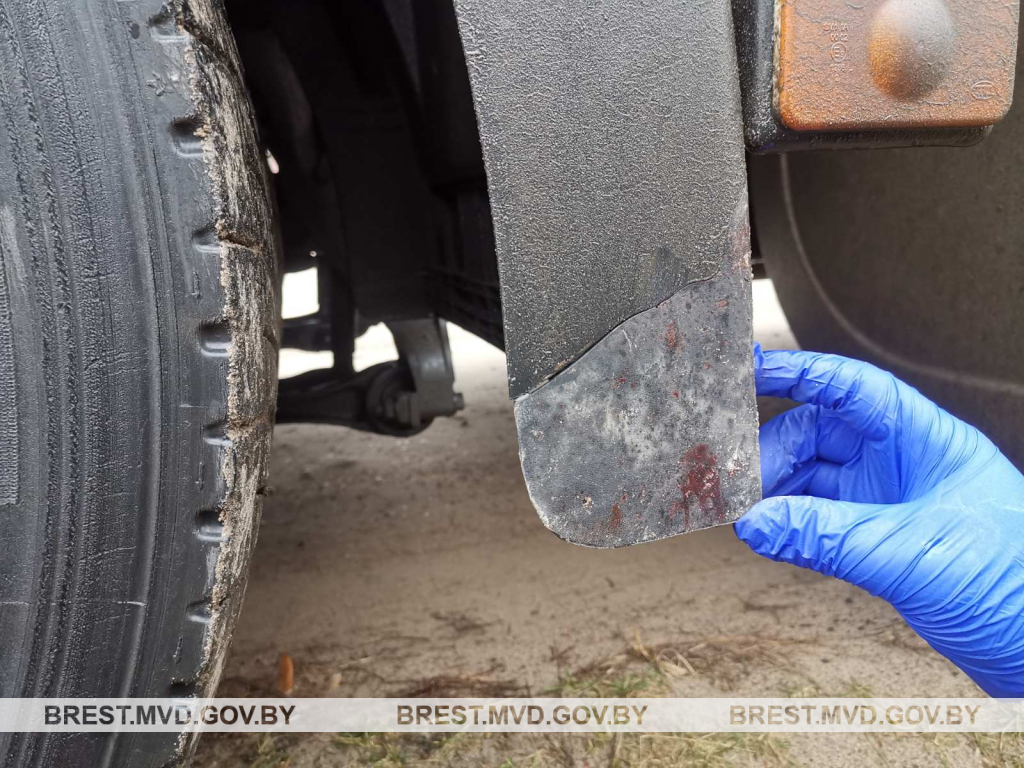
(590, 186)
(617, 182)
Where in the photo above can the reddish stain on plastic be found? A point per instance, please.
(676, 508)
(672, 336)
(699, 482)
(616, 520)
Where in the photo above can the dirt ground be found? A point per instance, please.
(412, 567)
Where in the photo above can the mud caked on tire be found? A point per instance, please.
(138, 356)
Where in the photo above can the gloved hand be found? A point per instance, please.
(874, 484)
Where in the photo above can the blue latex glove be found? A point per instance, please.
(878, 486)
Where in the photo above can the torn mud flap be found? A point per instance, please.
(648, 434)
(612, 135)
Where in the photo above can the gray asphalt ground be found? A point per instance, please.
(393, 567)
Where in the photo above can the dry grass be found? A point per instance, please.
(269, 752)
(522, 750)
(639, 669)
(647, 669)
(990, 750)
(480, 686)
(999, 750)
(710, 750)
(560, 750)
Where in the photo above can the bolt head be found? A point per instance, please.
(911, 47)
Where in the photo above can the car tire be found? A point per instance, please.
(139, 333)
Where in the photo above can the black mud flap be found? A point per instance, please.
(613, 141)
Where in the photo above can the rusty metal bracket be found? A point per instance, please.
(612, 137)
(810, 49)
(878, 64)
